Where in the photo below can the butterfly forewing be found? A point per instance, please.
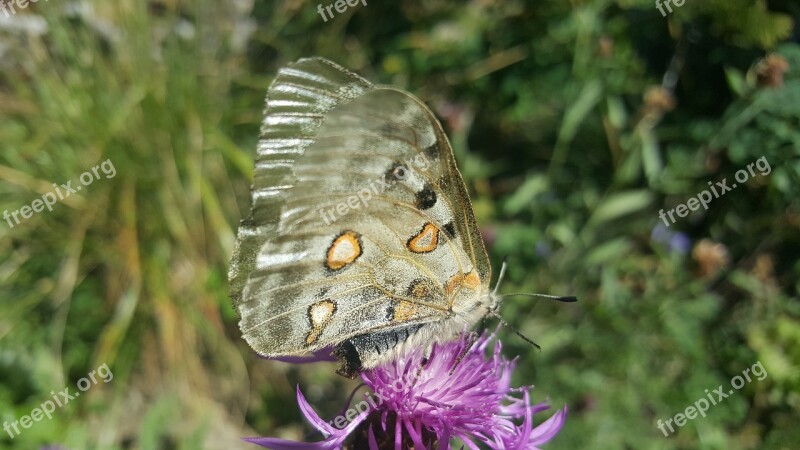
(296, 107)
(360, 219)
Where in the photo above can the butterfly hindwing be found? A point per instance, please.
(361, 231)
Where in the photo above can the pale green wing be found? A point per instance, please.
(296, 105)
(360, 218)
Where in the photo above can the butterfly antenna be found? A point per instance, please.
(558, 298)
(500, 277)
(493, 312)
(516, 331)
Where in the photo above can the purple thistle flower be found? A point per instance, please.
(460, 392)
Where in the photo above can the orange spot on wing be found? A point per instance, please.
(420, 290)
(404, 311)
(469, 281)
(345, 249)
(426, 240)
(319, 316)
(312, 337)
(453, 283)
(472, 280)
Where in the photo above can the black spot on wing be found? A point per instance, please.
(450, 230)
(396, 172)
(390, 129)
(426, 198)
(432, 151)
(390, 312)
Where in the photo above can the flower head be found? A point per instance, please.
(461, 391)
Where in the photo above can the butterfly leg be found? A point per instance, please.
(351, 361)
(423, 363)
(470, 338)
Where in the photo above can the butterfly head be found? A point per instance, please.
(492, 300)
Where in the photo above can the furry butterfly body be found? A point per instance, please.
(401, 266)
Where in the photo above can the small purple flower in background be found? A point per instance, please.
(425, 405)
(675, 241)
(543, 249)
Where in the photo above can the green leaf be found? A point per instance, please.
(621, 204)
(736, 81)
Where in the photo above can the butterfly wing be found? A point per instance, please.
(361, 223)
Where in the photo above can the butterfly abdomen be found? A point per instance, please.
(371, 345)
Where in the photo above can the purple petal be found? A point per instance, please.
(312, 416)
(414, 431)
(346, 406)
(333, 441)
(468, 442)
(283, 444)
(324, 354)
(373, 443)
(398, 435)
(548, 429)
(527, 422)
(472, 401)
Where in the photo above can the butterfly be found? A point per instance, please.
(361, 236)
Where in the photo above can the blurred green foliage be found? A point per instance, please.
(574, 123)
